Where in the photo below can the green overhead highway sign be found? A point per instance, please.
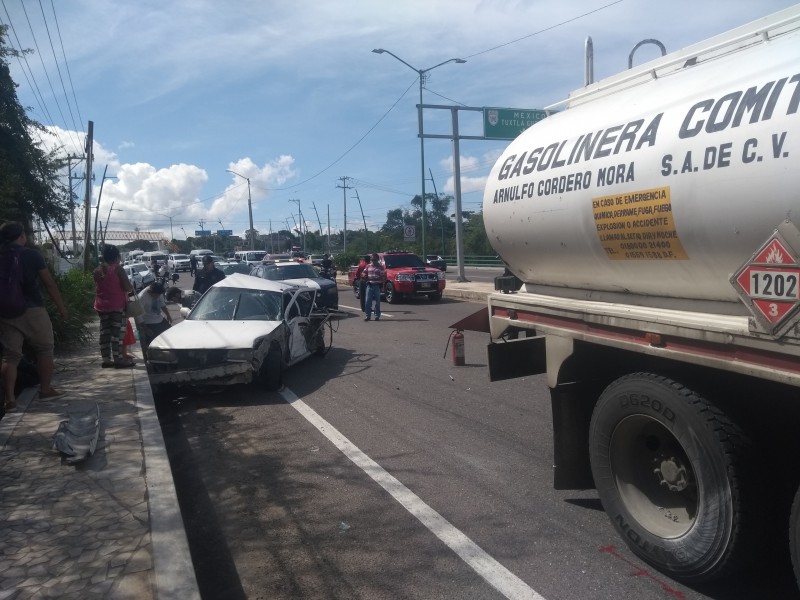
(508, 123)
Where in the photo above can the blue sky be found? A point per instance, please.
(290, 95)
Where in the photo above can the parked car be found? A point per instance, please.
(234, 266)
(199, 252)
(436, 261)
(301, 274)
(242, 329)
(316, 259)
(178, 262)
(273, 258)
(139, 275)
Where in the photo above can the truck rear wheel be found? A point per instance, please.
(794, 536)
(668, 466)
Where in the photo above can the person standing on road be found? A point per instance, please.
(111, 297)
(32, 326)
(192, 264)
(207, 276)
(375, 276)
(360, 281)
(155, 318)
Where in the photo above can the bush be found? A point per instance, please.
(343, 262)
(77, 290)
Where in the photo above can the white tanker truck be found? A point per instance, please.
(653, 227)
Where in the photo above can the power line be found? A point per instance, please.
(21, 55)
(55, 58)
(525, 37)
(351, 148)
(44, 68)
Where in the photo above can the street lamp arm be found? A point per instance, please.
(239, 174)
(455, 60)
(382, 51)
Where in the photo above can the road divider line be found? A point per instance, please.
(495, 574)
(358, 310)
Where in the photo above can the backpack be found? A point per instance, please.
(12, 299)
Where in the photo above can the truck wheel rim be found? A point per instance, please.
(654, 476)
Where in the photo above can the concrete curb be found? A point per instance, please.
(172, 561)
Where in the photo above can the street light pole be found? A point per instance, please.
(249, 209)
(421, 73)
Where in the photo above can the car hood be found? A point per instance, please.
(213, 335)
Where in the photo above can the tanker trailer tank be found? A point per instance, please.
(655, 186)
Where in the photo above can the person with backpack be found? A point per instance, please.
(23, 316)
(112, 287)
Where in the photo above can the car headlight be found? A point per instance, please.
(161, 355)
(441, 274)
(405, 277)
(240, 355)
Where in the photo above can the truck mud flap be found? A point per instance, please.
(518, 358)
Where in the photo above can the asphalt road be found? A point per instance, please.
(382, 471)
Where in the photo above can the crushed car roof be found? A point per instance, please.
(249, 282)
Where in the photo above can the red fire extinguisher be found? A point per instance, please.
(458, 348)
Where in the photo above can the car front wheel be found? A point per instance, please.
(392, 297)
(271, 374)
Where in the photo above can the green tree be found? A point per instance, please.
(476, 242)
(29, 176)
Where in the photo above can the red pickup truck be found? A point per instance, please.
(406, 275)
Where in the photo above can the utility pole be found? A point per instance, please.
(329, 228)
(300, 220)
(87, 200)
(318, 221)
(344, 187)
(441, 212)
(366, 247)
(70, 158)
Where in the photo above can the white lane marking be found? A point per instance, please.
(358, 310)
(495, 574)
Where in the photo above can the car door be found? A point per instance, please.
(299, 303)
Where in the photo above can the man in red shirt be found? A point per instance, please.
(374, 276)
(361, 282)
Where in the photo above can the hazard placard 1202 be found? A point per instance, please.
(769, 282)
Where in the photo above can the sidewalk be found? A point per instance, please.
(107, 527)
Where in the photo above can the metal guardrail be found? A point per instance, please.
(476, 261)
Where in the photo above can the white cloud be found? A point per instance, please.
(469, 164)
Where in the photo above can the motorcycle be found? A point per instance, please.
(329, 273)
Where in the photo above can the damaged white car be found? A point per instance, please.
(242, 329)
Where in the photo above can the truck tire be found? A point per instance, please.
(794, 536)
(669, 468)
(271, 374)
(435, 297)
